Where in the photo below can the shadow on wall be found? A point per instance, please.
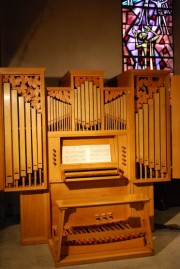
(166, 194)
(52, 81)
(17, 19)
(9, 208)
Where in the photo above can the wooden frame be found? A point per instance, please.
(35, 217)
(175, 99)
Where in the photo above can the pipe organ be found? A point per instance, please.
(104, 148)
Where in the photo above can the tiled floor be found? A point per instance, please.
(166, 242)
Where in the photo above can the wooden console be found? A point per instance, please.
(100, 229)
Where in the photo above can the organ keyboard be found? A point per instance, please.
(91, 174)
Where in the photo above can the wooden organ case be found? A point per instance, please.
(96, 216)
(152, 123)
(106, 147)
(23, 165)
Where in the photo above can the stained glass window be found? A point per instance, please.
(147, 29)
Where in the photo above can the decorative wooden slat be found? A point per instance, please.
(28, 142)
(83, 111)
(119, 111)
(125, 110)
(22, 138)
(87, 104)
(75, 108)
(79, 106)
(52, 115)
(163, 131)
(8, 135)
(151, 136)
(157, 134)
(146, 137)
(122, 113)
(91, 104)
(141, 140)
(34, 144)
(49, 112)
(39, 146)
(137, 137)
(113, 114)
(99, 106)
(60, 115)
(106, 110)
(15, 136)
(66, 116)
(95, 105)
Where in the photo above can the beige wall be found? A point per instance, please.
(72, 34)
